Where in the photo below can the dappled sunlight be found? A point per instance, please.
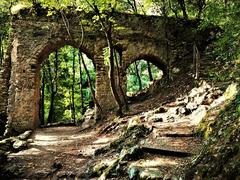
(27, 152)
(104, 140)
(83, 135)
(231, 91)
(156, 162)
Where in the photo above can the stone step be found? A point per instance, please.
(165, 152)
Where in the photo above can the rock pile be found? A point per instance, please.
(192, 107)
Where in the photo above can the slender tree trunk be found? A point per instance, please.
(149, 71)
(111, 71)
(201, 5)
(138, 76)
(183, 8)
(54, 87)
(173, 10)
(42, 113)
(196, 60)
(1, 51)
(80, 83)
(73, 88)
(120, 83)
(89, 83)
(52, 97)
(133, 5)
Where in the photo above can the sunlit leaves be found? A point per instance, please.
(132, 79)
(63, 100)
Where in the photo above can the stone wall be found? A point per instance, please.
(35, 37)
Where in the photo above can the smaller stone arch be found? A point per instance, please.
(155, 60)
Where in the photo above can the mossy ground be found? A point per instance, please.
(220, 155)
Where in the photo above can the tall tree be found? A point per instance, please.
(119, 80)
(138, 76)
(107, 26)
(183, 8)
(80, 81)
(73, 87)
(42, 99)
(89, 83)
(149, 71)
(54, 87)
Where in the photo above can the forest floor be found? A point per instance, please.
(60, 152)
(69, 151)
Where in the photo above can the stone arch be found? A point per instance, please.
(51, 47)
(158, 62)
(43, 55)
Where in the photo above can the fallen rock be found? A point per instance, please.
(66, 174)
(160, 110)
(198, 115)
(156, 118)
(19, 145)
(135, 121)
(133, 173)
(42, 174)
(151, 173)
(89, 119)
(6, 144)
(25, 135)
(57, 166)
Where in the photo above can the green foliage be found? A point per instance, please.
(132, 79)
(226, 17)
(64, 81)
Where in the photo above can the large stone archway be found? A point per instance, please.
(35, 37)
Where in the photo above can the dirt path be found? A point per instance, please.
(64, 152)
(58, 152)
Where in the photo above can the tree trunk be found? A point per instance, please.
(42, 111)
(201, 4)
(111, 71)
(183, 8)
(120, 83)
(54, 87)
(52, 97)
(196, 60)
(138, 76)
(133, 5)
(173, 10)
(90, 85)
(80, 83)
(1, 51)
(149, 71)
(73, 88)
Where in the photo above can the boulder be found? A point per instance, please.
(160, 110)
(158, 118)
(89, 119)
(25, 135)
(198, 115)
(150, 173)
(19, 145)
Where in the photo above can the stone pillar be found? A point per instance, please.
(103, 92)
(23, 100)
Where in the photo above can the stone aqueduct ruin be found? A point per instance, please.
(162, 42)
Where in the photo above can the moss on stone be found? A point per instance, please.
(128, 139)
(220, 156)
